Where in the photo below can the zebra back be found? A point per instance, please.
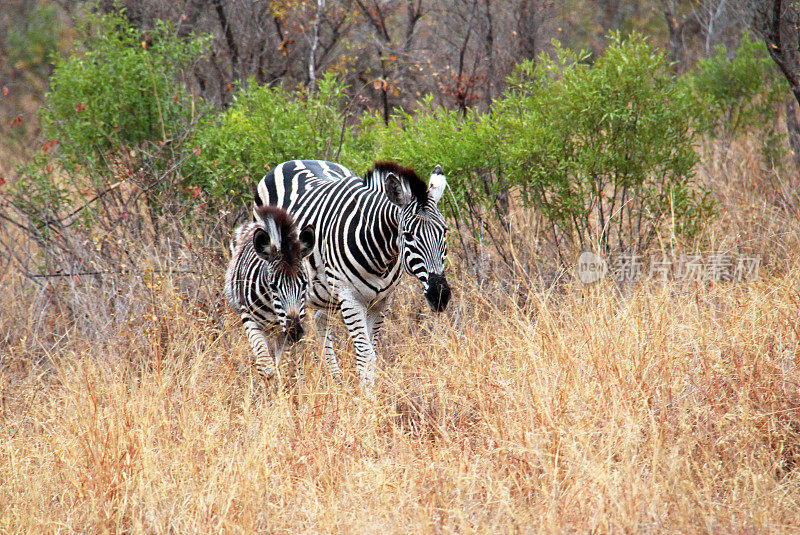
(363, 225)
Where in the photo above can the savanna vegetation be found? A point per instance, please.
(663, 397)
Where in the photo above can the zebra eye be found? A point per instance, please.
(407, 236)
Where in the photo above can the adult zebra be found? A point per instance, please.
(267, 283)
(367, 232)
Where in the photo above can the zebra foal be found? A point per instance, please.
(368, 231)
(267, 283)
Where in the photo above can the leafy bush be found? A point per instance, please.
(743, 93)
(605, 151)
(743, 90)
(117, 109)
(434, 135)
(118, 89)
(266, 126)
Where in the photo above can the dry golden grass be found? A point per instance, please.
(665, 409)
(651, 408)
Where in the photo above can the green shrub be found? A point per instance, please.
(605, 151)
(117, 106)
(434, 135)
(744, 91)
(265, 126)
(119, 88)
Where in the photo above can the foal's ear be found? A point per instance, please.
(263, 245)
(307, 237)
(397, 190)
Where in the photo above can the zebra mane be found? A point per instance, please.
(419, 190)
(289, 245)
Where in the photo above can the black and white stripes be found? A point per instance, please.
(267, 283)
(367, 232)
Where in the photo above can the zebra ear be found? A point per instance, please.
(263, 246)
(236, 239)
(437, 184)
(306, 241)
(396, 190)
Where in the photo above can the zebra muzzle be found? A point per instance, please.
(293, 329)
(438, 293)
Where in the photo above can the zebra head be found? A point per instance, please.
(276, 242)
(423, 230)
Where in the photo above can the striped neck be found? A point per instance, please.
(389, 229)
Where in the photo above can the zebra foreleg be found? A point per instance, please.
(355, 318)
(264, 360)
(375, 317)
(322, 321)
